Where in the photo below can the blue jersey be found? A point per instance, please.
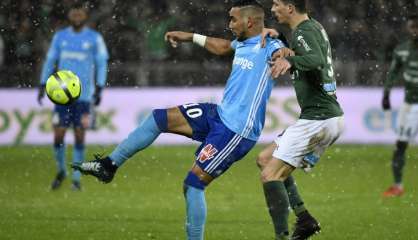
(83, 53)
(249, 86)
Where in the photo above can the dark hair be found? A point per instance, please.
(300, 5)
(80, 5)
(242, 3)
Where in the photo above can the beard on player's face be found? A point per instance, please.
(240, 35)
(238, 31)
(77, 24)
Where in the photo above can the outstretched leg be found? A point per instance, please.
(161, 120)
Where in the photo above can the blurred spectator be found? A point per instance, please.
(362, 36)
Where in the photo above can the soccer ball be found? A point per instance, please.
(63, 87)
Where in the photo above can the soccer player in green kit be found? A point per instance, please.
(321, 120)
(404, 65)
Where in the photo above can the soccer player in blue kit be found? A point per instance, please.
(81, 50)
(227, 131)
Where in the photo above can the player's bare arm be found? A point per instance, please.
(216, 46)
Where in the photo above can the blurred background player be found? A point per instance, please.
(404, 65)
(320, 122)
(83, 51)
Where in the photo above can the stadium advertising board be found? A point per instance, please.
(23, 121)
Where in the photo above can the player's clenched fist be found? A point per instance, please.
(178, 36)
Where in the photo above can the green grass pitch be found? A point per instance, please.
(145, 200)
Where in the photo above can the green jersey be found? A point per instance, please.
(312, 72)
(405, 65)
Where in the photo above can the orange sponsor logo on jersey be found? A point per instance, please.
(207, 153)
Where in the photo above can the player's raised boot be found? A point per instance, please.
(394, 191)
(58, 180)
(305, 226)
(102, 168)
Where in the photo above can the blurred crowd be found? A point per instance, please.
(363, 34)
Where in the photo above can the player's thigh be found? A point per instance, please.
(193, 120)
(221, 149)
(265, 155)
(177, 123)
(79, 135)
(308, 138)
(59, 134)
(61, 117)
(80, 114)
(407, 122)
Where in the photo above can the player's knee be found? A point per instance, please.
(160, 118)
(193, 180)
(262, 160)
(58, 142)
(85, 121)
(58, 139)
(79, 136)
(268, 175)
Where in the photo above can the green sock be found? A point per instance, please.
(278, 205)
(398, 161)
(294, 198)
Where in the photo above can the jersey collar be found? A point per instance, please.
(254, 39)
(74, 32)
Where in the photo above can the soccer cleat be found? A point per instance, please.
(305, 227)
(102, 168)
(58, 180)
(76, 186)
(394, 191)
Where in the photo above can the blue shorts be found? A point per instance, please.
(220, 146)
(65, 116)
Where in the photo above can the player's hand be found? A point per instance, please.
(97, 97)
(280, 67)
(177, 36)
(41, 94)
(268, 32)
(386, 102)
(282, 53)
